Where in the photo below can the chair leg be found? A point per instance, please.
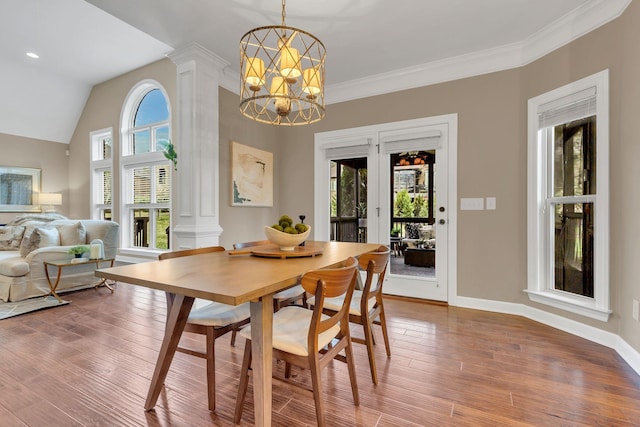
(351, 365)
(385, 334)
(373, 336)
(233, 337)
(316, 381)
(211, 369)
(287, 370)
(244, 381)
(368, 341)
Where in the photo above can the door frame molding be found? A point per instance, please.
(366, 135)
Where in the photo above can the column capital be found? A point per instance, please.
(196, 52)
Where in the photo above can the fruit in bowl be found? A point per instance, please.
(285, 235)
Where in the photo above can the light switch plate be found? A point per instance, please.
(472, 204)
(490, 203)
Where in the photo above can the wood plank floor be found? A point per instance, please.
(89, 364)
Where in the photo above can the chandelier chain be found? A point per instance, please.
(284, 14)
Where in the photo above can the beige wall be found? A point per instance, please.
(50, 157)
(240, 223)
(483, 135)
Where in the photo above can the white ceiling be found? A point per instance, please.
(373, 46)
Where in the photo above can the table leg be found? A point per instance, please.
(262, 354)
(104, 282)
(53, 287)
(173, 331)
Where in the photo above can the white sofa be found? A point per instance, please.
(419, 233)
(22, 272)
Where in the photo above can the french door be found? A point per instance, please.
(390, 184)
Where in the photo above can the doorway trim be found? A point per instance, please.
(364, 137)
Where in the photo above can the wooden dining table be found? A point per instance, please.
(231, 278)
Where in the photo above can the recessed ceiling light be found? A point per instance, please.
(33, 55)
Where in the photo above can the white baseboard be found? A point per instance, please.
(608, 339)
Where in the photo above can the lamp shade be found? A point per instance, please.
(254, 73)
(289, 63)
(311, 82)
(50, 199)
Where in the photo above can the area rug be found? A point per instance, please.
(10, 309)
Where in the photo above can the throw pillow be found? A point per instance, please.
(26, 237)
(10, 237)
(412, 231)
(40, 237)
(72, 234)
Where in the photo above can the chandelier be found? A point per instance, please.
(282, 75)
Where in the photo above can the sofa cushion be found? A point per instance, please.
(39, 237)
(10, 237)
(12, 265)
(72, 234)
(427, 232)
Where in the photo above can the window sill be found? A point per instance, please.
(578, 305)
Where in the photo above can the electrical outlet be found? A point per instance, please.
(636, 309)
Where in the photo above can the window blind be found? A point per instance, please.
(106, 187)
(576, 106)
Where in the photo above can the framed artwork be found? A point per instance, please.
(19, 188)
(251, 176)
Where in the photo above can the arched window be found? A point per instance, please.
(145, 174)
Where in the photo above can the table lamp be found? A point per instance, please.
(47, 201)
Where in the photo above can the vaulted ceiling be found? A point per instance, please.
(373, 46)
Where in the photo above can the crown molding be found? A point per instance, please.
(570, 27)
(558, 33)
(195, 50)
(564, 30)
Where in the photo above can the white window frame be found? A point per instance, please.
(540, 284)
(127, 161)
(98, 166)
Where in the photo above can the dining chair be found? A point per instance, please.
(283, 298)
(308, 338)
(212, 320)
(367, 304)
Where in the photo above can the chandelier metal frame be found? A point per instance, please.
(282, 75)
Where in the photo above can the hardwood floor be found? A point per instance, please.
(89, 364)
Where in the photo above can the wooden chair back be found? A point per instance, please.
(374, 262)
(330, 283)
(187, 252)
(242, 245)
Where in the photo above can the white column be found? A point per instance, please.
(196, 219)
